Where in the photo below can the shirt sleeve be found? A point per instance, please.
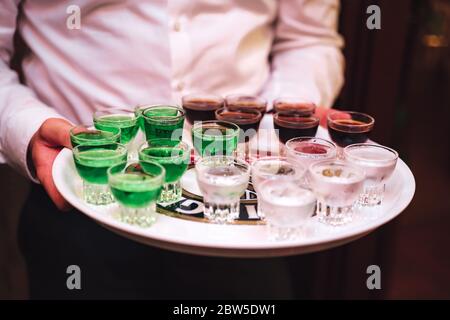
(306, 54)
(21, 113)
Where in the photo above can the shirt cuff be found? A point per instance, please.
(19, 130)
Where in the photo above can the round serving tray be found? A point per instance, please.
(182, 227)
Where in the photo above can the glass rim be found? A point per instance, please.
(258, 163)
(166, 118)
(291, 124)
(243, 163)
(370, 123)
(370, 145)
(247, 97)
(234, 127)
(110, 112)
(338, 162)
(326, 142)
(213, 99)
(294, 100)
(122, 147)
(184, 145)
(240, 121)
(160, 176)
(92, 127)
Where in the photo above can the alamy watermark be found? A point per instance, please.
(73, 281)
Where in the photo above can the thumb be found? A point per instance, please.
(56, 132)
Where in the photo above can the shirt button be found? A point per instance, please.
(178, 85)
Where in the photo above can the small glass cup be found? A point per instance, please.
(305, 151)
(349, 127)
(222, 180)
(88, 135)
(337, 186)
(378, 162)
(271, 168)
(212, 138)
(294, 105)
(174, 156)
(248, 122)
(163, 121)
(245, 102)
(136, 188)
(288, 125)
(201, 107)
(287, 207)
(109, 119)
(92, 163)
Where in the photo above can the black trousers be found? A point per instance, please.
(113, 267)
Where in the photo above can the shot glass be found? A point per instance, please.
(136, 188)
(212, 138)
(201, 107)
(174, 156)
(245, 102)
(92, 163)
(109, 119)
(273, 168)
(163, 121)
(337, 186)
(349, 127)
(222, 180)
(305, 151)
(294, 105)
(289, 125)
(248, 123)
(378, 162)
(287, 208)
(88, 135)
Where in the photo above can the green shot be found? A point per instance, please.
(163, 121)
(174, 156)
(88, 135)
(212, 138)
(92, 163)
(136, 188)
(110, 119)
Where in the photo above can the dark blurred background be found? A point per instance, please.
(400, 75)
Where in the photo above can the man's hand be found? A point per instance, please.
(46, 143)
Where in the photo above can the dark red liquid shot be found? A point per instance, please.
(201, 109)
(288, 126)
(345, 132)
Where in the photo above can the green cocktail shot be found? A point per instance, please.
(111, 118)
(88, 135)
(163, 121)
(212, 138)
(92, 163)
(174, 156)
(136, 188)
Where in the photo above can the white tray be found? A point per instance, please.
(247, 239)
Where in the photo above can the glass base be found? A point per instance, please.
(372, 196)
(260, 211)
(98, 194)
(277, 233)
(170, 193)
(221, 213)
(142, 217)
(334, 216)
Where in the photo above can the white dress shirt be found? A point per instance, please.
(130, 52)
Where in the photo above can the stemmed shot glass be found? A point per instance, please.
(174, 156)
(378, 162)
(92, 163)
(136, 188)
(349, 127)
(273, 168)
(248, 122)
(337, 186)
(111, 119)
(289, 125)
(87, 134)
(222, 181)
(287, 208)
(215, 138)
(163, 121)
